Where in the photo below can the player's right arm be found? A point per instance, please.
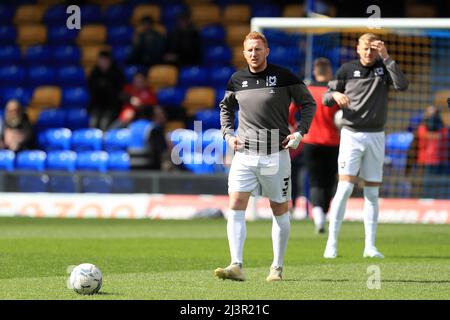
(228, 106)
(335, 94)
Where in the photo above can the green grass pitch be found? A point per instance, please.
(148, 259)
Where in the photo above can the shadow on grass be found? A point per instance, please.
(359, 280)
(421, 257)
(101, 293)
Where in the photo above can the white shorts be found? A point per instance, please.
(268, 175)
(361, 154)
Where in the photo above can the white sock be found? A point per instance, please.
(370, 214)
(281, 227)
(236, 231)
(337, 210)
(318, 216)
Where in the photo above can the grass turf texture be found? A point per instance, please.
(147, 259)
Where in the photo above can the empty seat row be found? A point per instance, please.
(166, 12)
(92, 139)
(66, 160)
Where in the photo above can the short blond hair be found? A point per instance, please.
(368, 37)
(254, 35)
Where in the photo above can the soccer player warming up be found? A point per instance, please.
(361, 91)
(263, 93)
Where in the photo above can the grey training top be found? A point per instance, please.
(367, 88)
(263, 100)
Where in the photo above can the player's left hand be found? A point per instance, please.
(292, 141)
(380, 47)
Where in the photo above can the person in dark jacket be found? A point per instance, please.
(184, 46)
(105, 84)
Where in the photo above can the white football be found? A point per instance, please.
(85, 278)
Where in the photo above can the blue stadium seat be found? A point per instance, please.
(38, 55)
(140, 131)
(130, 71)
(66, 55)
(170, 13)
(209, 118)
(120, 35)
(31, 160)
(92, 160)
(77, 119)
(220, 75)
(117, 139)
(119, 160)
(41, 75)
(55, 16)
(56, 139)
(193, 76)
(10, 54)
(86, 139)
(212, 35)
(195, 163)
(117, 13)
(265, 10)
(121, 53)
(62, 161)
(76, 97)
(91, 14)
(285, 55)
(397, 146)
(217, 56)
(7, 160)
(24, 95)
(8, 34)
(7, 14)
(50, 118)
(61, 35)
(171, 97)
(71, 76)
(13, 76)
(220, 93)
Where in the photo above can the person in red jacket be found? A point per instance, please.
(432, 149)
(139, 100)
(321, 146)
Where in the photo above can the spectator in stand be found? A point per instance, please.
(105, 84)
(16, 132)
(158, 144)
(139, 99)
(432, 143)
(184, 43)
(149, 45)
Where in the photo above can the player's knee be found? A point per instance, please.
(371, 193)
(279, 208)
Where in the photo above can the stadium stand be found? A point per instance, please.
(44, 65)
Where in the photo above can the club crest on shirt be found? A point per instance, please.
(271, 81)
(378, 71)
(357, 74)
